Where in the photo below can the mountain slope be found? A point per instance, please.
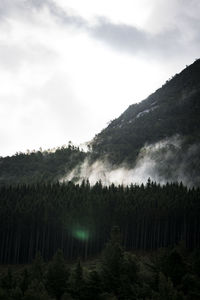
(172, 109)
(158, 138)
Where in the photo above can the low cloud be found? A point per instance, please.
(160, 161)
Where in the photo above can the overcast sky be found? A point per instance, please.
(67, 67)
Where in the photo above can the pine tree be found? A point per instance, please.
(94, 287)
(36, 291)
(3, 294)
(77, 283)
(37, 268)
(129, 288)
(166, 289)
(8, 282)
(112, 262)
(16, 294)
(57, 276)
(25, 280)
(174, 266)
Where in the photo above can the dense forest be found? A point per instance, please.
(78, 218)
(170, 274)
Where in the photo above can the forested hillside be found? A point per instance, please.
(163, 130)
(39, 166)
(172, 109)
(160, 135)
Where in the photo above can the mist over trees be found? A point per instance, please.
(168, 117)
(172, 109)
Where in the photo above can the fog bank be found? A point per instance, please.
(164, 161)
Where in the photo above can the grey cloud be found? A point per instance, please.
(176, 31)
(120, 36)
(25, 8)
(57, 12)
(60, 14)
(130, 39)
(169, 42)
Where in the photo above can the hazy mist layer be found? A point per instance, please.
(164, 161)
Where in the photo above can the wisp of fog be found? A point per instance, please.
(164, 161)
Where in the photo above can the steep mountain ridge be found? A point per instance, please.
(172, 109)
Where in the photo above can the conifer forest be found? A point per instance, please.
(70, 241)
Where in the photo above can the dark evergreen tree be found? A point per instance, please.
(112, 262)
(77, 282)
(25, 280)
(57, 276)
(8, 282)
(3, 294)
(166, 289)
(16, 294)
(174, 266)
(93, 286)
(37, 268)
(36, 291)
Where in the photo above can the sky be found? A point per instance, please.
(68, 67)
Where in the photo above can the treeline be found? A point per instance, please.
(78, 218)
(39, 166)
(168, 274)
